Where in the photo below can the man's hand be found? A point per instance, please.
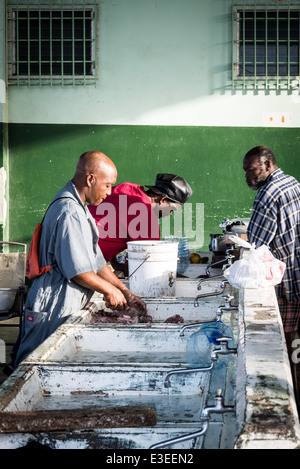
(116, 294)
(115, 300)
(133, 300)
(113, 296)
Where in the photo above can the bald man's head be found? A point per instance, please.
(94, 176)
(92, 162)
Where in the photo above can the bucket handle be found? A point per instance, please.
(140, 265)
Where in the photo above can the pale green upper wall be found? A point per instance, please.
(161, 62)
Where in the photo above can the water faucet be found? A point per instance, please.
(207, 280)
(196, 324)
(228, 256)
(228, 299)
(224, 350)
(202, 369)
(215, 293)
(179, 439)
(224, 283)
(206, 295)
(218, 408)
(219, 312)
(207, 270)
(227, 306)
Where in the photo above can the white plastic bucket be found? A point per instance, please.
(152, 268)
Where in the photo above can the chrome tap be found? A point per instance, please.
(207, 280)
(196, 324)
(207, 272)
(206, 295)
(227, 306)
(228, 256)
(218, 408)
(202, 369)
(219, 312)
(228, 299)
(179, 439)
(224, 350)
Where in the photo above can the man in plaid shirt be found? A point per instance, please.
(275, 221)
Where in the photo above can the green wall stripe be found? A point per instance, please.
(42, 159)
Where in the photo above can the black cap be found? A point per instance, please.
(173, 187)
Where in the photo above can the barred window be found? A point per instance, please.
(266, 47)
(51, 46)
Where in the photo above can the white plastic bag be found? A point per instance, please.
(259, 269)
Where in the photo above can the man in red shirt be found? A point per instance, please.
(132, 213)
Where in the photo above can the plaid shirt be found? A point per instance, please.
(275, 221)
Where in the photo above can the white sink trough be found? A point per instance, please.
(56, 389)
(146, 344)
(188, 288)
(183, 304)
(103, 385)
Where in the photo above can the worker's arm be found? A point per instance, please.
(116, 294)
(113, 296)
(132, 299)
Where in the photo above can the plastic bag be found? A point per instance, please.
(259, 269)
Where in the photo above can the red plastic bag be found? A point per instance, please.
(33, 269)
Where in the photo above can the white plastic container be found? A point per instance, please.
(152, 268)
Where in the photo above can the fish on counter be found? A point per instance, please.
(128, 316)
(125, 316)
(176, 319)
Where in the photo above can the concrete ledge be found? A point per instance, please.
(265, 404)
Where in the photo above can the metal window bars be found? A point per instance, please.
(51, 43)
(265, 44)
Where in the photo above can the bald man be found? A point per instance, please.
(69, 243)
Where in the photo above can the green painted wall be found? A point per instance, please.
(42, 159)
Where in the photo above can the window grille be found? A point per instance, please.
(265, 41)
(51, 44)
